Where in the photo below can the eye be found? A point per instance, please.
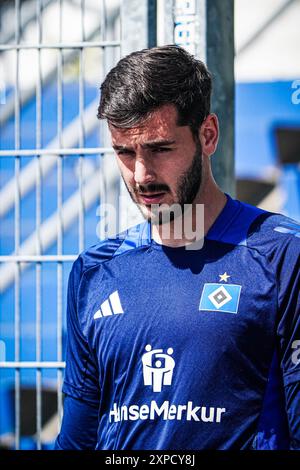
(125, 152)
(162, 149)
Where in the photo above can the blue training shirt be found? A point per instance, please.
(171, 348)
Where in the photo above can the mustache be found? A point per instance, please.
(151, 188)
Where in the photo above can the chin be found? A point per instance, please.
(163, 218)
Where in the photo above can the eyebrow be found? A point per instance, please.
(158, 143)
(151, 145)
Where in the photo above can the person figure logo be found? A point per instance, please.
(155, 371)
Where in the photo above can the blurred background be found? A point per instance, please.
(56, 165)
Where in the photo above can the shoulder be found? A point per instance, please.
(128, 240)
(275, 235)
(246, 225)
(269, 236)
(275, 240)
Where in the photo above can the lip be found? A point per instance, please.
(152, 198)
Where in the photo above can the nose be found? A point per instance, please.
(143, 171)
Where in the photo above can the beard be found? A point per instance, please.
(188, 186)
(189, 183)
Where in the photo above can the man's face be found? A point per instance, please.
(160, 162)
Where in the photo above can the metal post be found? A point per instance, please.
(134, 26)
(38, 265)
(17, 325)
(59, 173)
(205, 29)
(165, 22)
(152, 23)
(220, 61)
(81, 133)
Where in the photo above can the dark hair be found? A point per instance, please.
(145, 80)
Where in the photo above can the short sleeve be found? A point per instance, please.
(79, 426)
(81, 378)
(288, 333)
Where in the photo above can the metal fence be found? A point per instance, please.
(44, 160)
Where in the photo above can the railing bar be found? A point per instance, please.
(73, 45)
(36, 258)
(51, 152)
(31, 365)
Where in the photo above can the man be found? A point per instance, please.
(174, 344)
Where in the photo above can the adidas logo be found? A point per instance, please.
(111, 306)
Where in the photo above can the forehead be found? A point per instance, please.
(161, 124)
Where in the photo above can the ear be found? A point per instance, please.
(209, 134)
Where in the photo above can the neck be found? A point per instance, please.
(196, 221)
